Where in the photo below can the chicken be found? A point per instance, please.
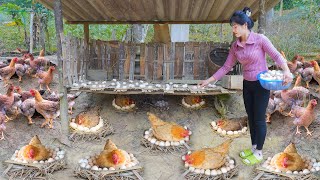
(46, 77)
(111, 156)
(2, 126)
(292, 96)
(89, 118)
(123, 101)
(70, 98)
(233, 124)
(7, 100)
(304, 116)
(7, 72)
(191, 100)
(316, 74)
(37, 64)
(307, 75)
(270, 109)
(28, 109)
(22, 51)
(24, 94)
(298, 81)
(14, 110)
(209, 158)
(166, 131)
(288, 160)
(21, 68)
(34, 151)
(48, 109)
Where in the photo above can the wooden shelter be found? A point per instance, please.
(175, 62)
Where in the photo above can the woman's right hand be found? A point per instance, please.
(204, 83)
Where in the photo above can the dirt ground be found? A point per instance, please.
(129, 128)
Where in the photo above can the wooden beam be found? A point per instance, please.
(66, 13)
(86, 33)
(262, 17)
(147, 22)
(62, 90)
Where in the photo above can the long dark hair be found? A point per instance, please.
(242, 17)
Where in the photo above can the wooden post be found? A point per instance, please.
(262, 17)
(62, 90)
(281, 8)
(86, 33)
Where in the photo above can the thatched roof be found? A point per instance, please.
(154, 11)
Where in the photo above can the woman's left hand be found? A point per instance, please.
(287, 78)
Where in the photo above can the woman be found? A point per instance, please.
(250, 49)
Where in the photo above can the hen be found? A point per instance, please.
(111, 156)
(46, 77)
(28, 109)
(70, 98)
(14, 110)
(292, 96)
(123, 101)
(304, 116)
(316, 74)
(21, 68)
(233, 124)
(2, 126)
(167, 131)
(270, 109)
(307, 74)
(7, 100)
(288, 160)
(209, 158)
(89, 118)
(192, 99)
(34, 151)
(7, 72)
(24, 94)
(48, 109)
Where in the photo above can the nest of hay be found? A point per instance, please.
(229, 134)
(187, 103)
(154, 146)
(228, 171)
(268, 172)
(18, 169)
(99, 134)
(133, 173)
(118, 107)
(87, 169)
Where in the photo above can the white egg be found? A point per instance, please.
(186, 165)
(197, 171)
(231, 166)
(41, 162)
(192, 169)
(313, 170)
(187, 138)
(224, 170)
(167, 143)
(213, 123)
(219, 172)
(207, 172)
(235, 132)
(153, 140)
(318, 168)
(289, 172)
(219, 130)
(295, 172)
(306, 171)
(213, 173)
(50, 160)
(105, 169)
(231, 161)
(224, 132)
(277, 170)
(95, 168)
(183, 158)
(162, 143)
(230, 133)
(181, 142)
(112, 169)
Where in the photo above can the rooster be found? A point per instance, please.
(46, 77)
(288, 160)
(48, 109)
(7, 100)
(233, 124)
(209, 158)
(111, 156)
(34, 151)
(166, 131)
(316, 74)
(7, 72)
(304, 116)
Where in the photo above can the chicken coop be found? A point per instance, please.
(98, 66)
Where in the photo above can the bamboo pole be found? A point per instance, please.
(62, 90)
(31, 31)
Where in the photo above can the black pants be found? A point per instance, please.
(256, 100)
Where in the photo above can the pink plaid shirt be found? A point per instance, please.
(252, 56)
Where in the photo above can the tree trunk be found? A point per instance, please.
(47, 34)
(31, 31)
(42, 34)
(262, 17)
(62, 90)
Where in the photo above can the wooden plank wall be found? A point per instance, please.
(150, 62)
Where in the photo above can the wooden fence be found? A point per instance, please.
(107, 60)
